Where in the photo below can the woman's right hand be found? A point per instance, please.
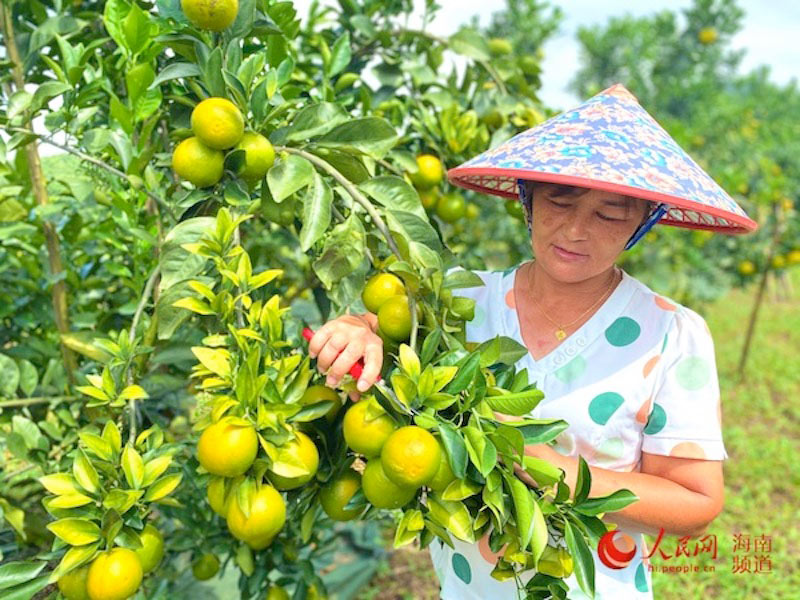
(340, 342)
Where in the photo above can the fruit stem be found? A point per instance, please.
(35, 400)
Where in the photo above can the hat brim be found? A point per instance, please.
(681, 212)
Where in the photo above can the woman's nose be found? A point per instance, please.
(578, 225)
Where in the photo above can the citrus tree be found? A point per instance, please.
(229, 176)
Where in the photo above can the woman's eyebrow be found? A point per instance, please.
(620, 203)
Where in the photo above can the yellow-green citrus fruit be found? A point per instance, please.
(227, 449)
(430, 172)
(366, 436)
(514, 208)
(205, 566)
(500, 46)
(778, 261)
(746, 267)
(299, 450)
(73, 585)
(335, 495)
(379, 289)
(218, 123)
(394, 318)
(214, 15)
(114, 575)
(411, 456)
(444, 474)
(276, 593)
(198, 164)
(152, 550)
(473, 212)
(381, 491)
(429, 198)
(793, 257)
(267, 517)
(259, 155)
(707, 35)
(320, 393)
(451, 207)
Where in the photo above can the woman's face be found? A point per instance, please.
(576, 237)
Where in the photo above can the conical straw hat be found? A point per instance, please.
(608, 143)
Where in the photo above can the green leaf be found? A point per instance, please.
(76, 532)
(456, 449)
(85, 473)
(59, 484)
(96, 445)
(505, 351)
(342, 253)
(194, 305)
(466, 373)
(28, 377)
(481, 450)
(543, 472)
(289, 175)
(114, 14)
(153, 469)
(15, 573)
(461, 279)
(340, 55)
(133, 467)
(121, 500)
(452, 515)
(517, 404)
(316, 120)
(460, 489)
(539, 431)
(471, 44)
(68, 501)
(112, 435)
(313, 411)
(14, 516)
(175, 71)
(395, 193)
(316, 212)
(163, 487)
(9, 376)
(73, 559)
(413, 227)
(175, 262)
(583, 483)
(523, 509)
(133, 392)
(136, 28)
(215, 360)
(613, 502)
(582, 559)
(372, 136)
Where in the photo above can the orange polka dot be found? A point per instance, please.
(687, 450)
(649, 365)
(644, 411)
(663, 304)
(486, 552)
(510, 299)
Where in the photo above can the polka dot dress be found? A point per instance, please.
(638, 376)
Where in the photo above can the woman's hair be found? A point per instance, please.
(571, 191)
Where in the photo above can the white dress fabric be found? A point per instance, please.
(639, 375)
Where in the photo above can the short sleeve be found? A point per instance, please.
(685, 416)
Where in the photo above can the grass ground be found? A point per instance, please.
(761, 428)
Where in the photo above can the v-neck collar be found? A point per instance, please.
(577, 341)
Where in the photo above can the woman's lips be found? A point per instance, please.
(567, 255)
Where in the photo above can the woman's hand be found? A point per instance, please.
(340, 342)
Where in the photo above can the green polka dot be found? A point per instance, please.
(572, 370)
(641, 578)
(480, 316)
(693, 373)
(603, 406)
(623, 331)
(611, 449)
(461, 568)
(657, 420)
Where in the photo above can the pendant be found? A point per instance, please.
(560, 334)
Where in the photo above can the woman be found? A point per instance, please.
(632, 373)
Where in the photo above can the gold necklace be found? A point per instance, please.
(561, 332)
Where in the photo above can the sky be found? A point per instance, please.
(769, 35)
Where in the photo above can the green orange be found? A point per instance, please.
(259, 156)
(394, 318)
(227, 449)
(411, 456)
(363, 433)
(379, 289)
(205, 566)
(335, 495)
(218, 123)
(73, 585)
(444, 473)
(300, 450)
(381, 491)
(430, 172)
(214, 15)
(267, 517)
(114, 575)
(451, 207)
(198, 164)
(320, 393)
(152, 550)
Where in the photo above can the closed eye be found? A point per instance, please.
(605, 218)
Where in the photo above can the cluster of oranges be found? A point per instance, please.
(449, 207)
(218, 125)
(385, 295)
(399, 462)
(117, 573)
(779, 261)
